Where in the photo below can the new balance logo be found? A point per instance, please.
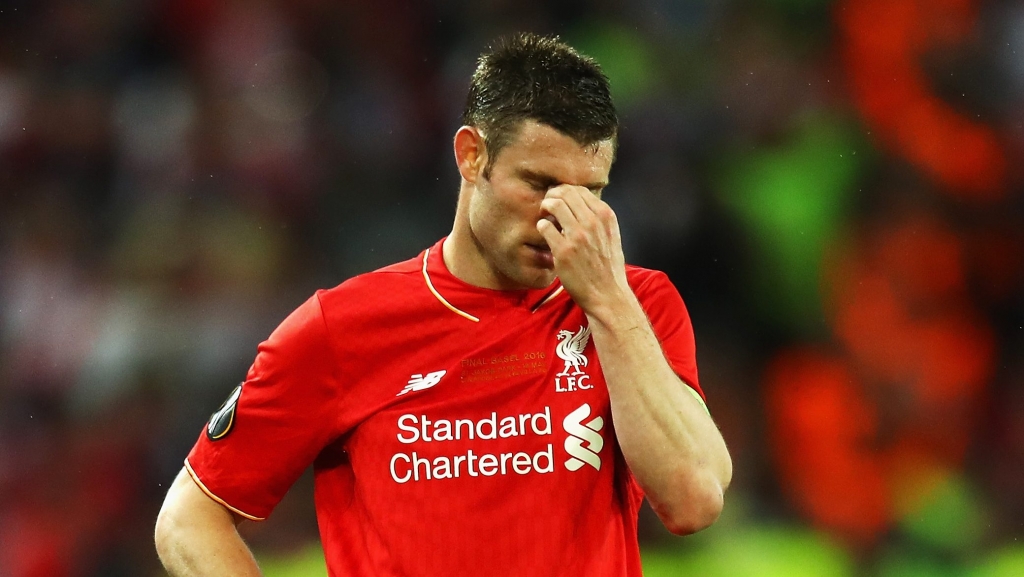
(580, 432)
(419, 382)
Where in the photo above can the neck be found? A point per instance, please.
(463, 255)
(464, 259)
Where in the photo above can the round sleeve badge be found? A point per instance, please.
(223, 420)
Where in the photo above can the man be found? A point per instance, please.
(498, 405)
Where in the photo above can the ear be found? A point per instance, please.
(470, 153)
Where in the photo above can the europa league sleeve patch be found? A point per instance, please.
(223, 420)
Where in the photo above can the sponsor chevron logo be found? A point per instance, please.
(580, 433)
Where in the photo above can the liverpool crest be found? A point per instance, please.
(570, 349)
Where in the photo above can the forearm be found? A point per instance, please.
(670, 443)
(204, 553)
(197, 537)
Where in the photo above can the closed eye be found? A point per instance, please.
(541, 185)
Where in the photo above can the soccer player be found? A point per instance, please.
(499, 404)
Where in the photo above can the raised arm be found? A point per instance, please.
(669, 441)
(672, 446)
(197, 536)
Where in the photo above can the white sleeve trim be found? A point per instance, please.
(700, 399)
(209, 493)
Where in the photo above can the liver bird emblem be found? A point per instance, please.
(570, 349)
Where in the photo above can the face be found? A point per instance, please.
(502, 211)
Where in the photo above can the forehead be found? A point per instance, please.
(544, 150)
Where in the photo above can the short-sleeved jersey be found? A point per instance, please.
(453, 430)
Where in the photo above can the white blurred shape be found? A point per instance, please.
(153, 116)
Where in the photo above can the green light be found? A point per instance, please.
(306, 563)
(1008, 562)
(909, 564)
(793, 200)
(762, 551)
(625, 57)
(950, 517)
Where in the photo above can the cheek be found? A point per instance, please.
(522, 204)
(488, 219)
(505, 209)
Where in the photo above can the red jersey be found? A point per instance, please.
(453, 430)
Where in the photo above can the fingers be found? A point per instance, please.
(549, 231)
(569, 207)
(564, 220)
(599, 208)
(584, 207)
(575, 197)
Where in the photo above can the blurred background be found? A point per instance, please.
(834, 186)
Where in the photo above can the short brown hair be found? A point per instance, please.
(533, 77)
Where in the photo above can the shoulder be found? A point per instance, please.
(388, 294)
(314, 328)
(407, 273)
(653, 288)
(642, 279)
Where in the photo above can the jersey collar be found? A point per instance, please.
(471, 302)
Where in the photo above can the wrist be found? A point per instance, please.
(617, 314)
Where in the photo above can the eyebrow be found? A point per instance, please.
(548, 180)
